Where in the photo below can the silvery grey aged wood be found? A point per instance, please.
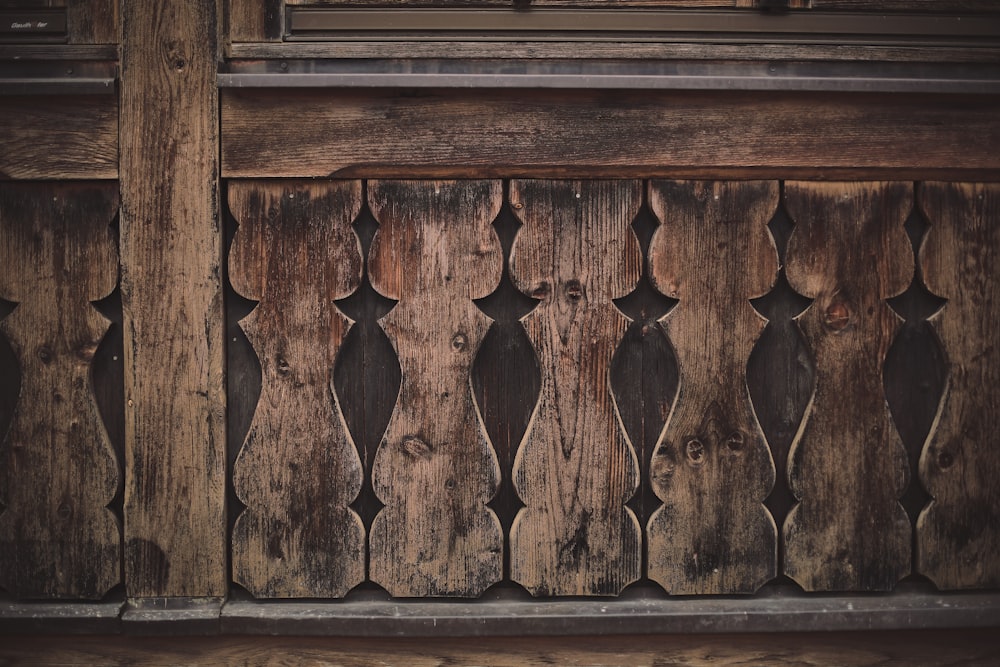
(58, 539)
(712, 467)
(576, 468)
(435, 470)
(848, 468)
(958, 533)
(298, 470)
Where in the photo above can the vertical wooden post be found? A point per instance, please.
(172, 299)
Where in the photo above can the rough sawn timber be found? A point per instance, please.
(435, 470)
(712, 467)
(576, 467)
(58, 137)
(174, 321)
(298, 470)
(958, 533)
(847, 467)
(590, 134)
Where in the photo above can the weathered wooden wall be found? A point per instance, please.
(432, 344)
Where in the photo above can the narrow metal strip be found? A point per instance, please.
(57, 86)
(751, 76)
(749, 83)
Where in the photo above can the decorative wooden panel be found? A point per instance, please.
(958, 533)
(712, 467)
(298, 471)
(435, 470)
(848, 468)
(576, 468)
(58, 539)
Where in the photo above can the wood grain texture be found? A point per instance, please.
(847, 467)
(171, 249)
(576, 468)
(92, 21)
(298, 470)
(255, 20)
(958, 533)
(853, 649)
(558, 133)
(58, 539)
(712, 467)
(56, 137)
(435, 470)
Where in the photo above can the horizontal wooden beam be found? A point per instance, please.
(59, 137)
(847, 649)
(474, 134)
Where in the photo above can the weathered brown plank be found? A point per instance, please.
(435, 470)
(316, 133)
(298, 470)
(712, 467)
(958, 533)
(54, 137)
(256, 20)
(576, 468)
(849, 252)
(92, 21)
(171, 240)
(848, 649)
(57, 537)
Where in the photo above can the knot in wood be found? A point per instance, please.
(45, 354)
(541, 291)
(695, 449)
(945, 460)
(838, 316)
(283, 367)
(415, 447)
(64, 512)
(459, 342)
(573, 290)
(735, 441)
